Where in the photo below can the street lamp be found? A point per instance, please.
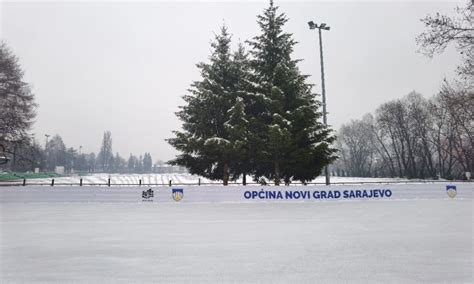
(46, 153)
(46, 143)
(322, 26)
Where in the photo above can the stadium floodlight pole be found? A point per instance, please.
(46, 143)
(320, 27)
(46, 152)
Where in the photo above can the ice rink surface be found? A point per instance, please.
(357, 241)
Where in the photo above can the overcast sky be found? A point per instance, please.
(123, 67)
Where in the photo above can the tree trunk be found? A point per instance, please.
(244, 178)
(226, 173)
(277, 173)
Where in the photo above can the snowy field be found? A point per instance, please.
(176, 178)
(109, 235)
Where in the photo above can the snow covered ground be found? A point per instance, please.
(176, 178)
(78, 235)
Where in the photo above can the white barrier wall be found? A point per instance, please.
(236, 194)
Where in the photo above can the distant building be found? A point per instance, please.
(59, 170)
(168, 169)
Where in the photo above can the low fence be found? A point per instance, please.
(109, 183)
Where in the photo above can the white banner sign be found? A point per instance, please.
(255, 194)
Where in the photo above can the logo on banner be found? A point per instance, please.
(177, 193)
(147, 195)
(451, 190)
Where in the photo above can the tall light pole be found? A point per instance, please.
(46, 143)
(320, 27)
(46, 153)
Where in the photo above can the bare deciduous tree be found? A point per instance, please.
(443, 30)
(356, 146)
(458, 102)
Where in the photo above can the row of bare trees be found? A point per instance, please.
(412, 137)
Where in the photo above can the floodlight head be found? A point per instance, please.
(324, 26)
(312, 25)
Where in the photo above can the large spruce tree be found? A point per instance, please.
(17, 110)
(214, 120)
(293, 145)
(239, 123)
(253, 116)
